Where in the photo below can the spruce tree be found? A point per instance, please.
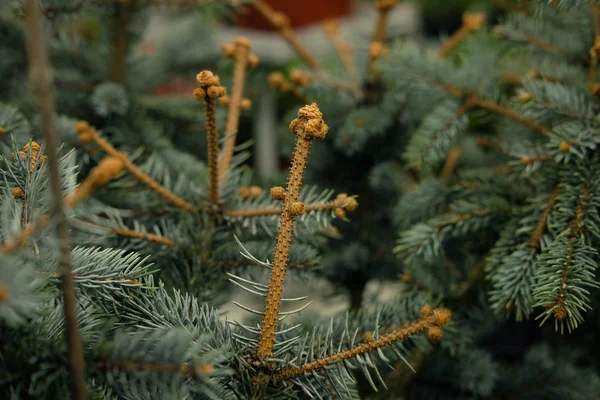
(116, 246)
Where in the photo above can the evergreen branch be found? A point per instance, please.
(471, 22)
(475, 100)
(341, 203)
(533, 41)
(507, 112)
(536, 235)
(208, 90)
(239, 51)
(307, 127)
(282, 22)
(120, 41)
(41, 77)
(332, 28)
(431, 321)
(88, 134)
(99, 176)
(376, 48)
(302, 78)
(301, 265)
(594, 55)
(185, 370)
(131, 233)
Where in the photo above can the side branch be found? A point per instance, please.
(239, 51)
(41, 78)
(88, 134)
(332, 28)
(430, 321)
(470, 23)
(376, 48)
(210, 89)
(282, 22)
(131, 233)
(339, 205)
(536, 235)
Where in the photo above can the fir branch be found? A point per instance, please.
(307, 127)
(239, 51)
(431, 321)
(332, 29)
(342, 202)
(41, 77)
(301, 78)
(376, 48)
(471, 22)
(184, 370)
(282, 22)
(210, 89)
(88, 134)
(131, 233)
(536, 235)
(507, 112)
(99, 176)
(533, 41)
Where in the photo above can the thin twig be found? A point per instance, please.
(282, 22)
(41, 77)
(117, 67)
(470, 23)
(332, 29)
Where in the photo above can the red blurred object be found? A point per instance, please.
(178, 86)
(300, 12)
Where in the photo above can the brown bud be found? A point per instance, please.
(360, 122)
(525, 97)
(199, 94)
(225, 101)
(297, 208)
(228, 49)
(406, 278)
(280, 20)
(435, 333)
(245, 104)
(299, 77)
(442, 316)
(242, 41)
(3, 131)
(352, 204)
(278, 193)
(4, 292)
(207, 78)
(526, 160)
(368, 337)
(560, 312)
(255, 191)
(215, 91)
(425, 311)
(206, 369)
(81, 126)
(564, 147)
(18, 193)
(86, 137)
(108, 169)
(340, 213)
(253, 60)
(276, 80)
(244, 191)
(473, 20)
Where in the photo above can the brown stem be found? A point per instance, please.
(470, 23)
(536, 235)
(341, 202)
(212, 136)
(117, 68)
(307, 127)
(90, 135)
(451, 160)
(376, 48)
(507, 112)
(41, 78)
(185, 370)
(131, 233)
(240, 55)
(281, 21)
(332, 31)
(431, 321)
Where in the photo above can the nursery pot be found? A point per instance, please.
(301, 13)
